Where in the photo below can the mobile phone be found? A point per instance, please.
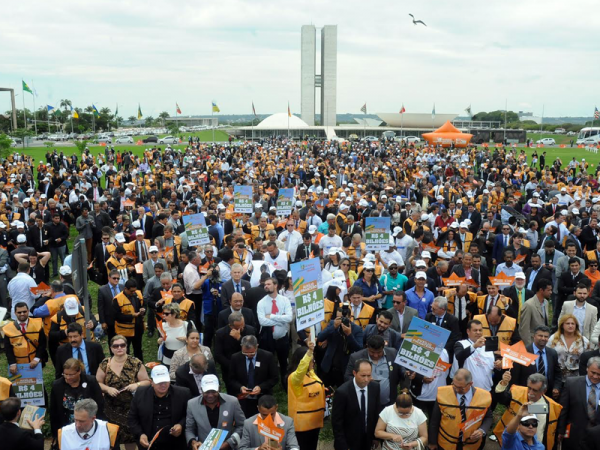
(273, 443)
(538, 408)
(491, 343)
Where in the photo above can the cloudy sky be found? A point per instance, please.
(529, 53)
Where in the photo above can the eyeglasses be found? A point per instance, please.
(530, 424)
(115, 278)
(369, 270)
(345, 264)
(397, 303)
(166, 314)
(119, 346)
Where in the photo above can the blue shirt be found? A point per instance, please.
(83, 355)
(536, 351)
(422, 305)
(369, 291)
(248, 362)
(588, 386)
(44, 311)
(516, 442)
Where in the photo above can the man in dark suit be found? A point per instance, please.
(237, 305)
(566, 284)
(440, 316)
(307, 248)
(235, 284)
(90, 353)
(37, 236)
(382, 327)
(475, 217)
(436, 274)
(11, 435)
(227, 342)
(351, 228)
(158, 229)
(225, 223)
(519, 294)
(389, 373)
(150, 403)
(101, 255)
(500, 243)
(356, 408)
(199, 366)
(106, 294)
(536, 272)
(252, 373)
(256, 294)
(574, 398)
(401, 314)
(549, 368)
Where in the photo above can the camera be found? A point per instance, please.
(346, 315)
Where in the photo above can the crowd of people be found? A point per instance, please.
(462, 223)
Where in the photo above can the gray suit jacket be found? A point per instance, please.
(251, 439)
(591, 316)
(149, 268)
(409, 313)
(231, 418)
(531, 318)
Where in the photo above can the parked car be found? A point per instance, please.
(546, 141)
(370, 139)
(169, 140)
(354, 137)
(571, 133)
(150, 139)
(104, 139)
(124, 140)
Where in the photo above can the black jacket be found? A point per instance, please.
(266, 374)
(184, 379)
(93, 350)
(228, 289)
(249, 317)
(15, 438)
(450, 323)
(301, 252)
(520, 373)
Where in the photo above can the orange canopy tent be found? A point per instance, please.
(447, 135)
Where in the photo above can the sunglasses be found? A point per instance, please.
(369, 270)
(530, 424)
(115, 278)
(166, 314)
(119, 345)
(397, 303)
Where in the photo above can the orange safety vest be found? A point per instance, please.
(54, 305)
(519, 397)
(502, 302)
(450, 294)
(308, 409)
(127, 329)
(24, 345)
(363, 319)
(505, 330)
(451, 418)
(5, 385)
(184, 305)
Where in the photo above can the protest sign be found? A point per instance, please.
(422, 347)
(285, 202)
(28, 385)
(215, 439)
(377, 233)
(196, 229)
(242, 199)
(268, 429)
(308, 293)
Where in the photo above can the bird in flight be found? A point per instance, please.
(415, 22)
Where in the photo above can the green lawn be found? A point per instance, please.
(559, 138)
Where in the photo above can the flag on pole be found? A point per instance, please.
(215, 108)
(140, 115)
(403, 109)
(433, 112)
(596, 113)
(253, 110)
(57, 112)
(289, 112)
(50, 108)
(178, 109)
(96, 112)
(364, 108)
(74, 113)
(117, 111)
(27, 88)
(468, 111)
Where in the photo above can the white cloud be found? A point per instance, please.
(238, 51)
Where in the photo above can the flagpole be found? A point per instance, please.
(212, 113)
(34, 111)
(402, 124)
(24, 113)
(48, 119)
(505, 114)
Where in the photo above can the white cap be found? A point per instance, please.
(485, 191)
(363, 202)
(424, 217)
(209, 383)
(396, 230)
(153, 248)
(420, 263)
(312, 229)
(575, 211)
(421, 275)
(343, 207)
(160, 374)
(337, 283)
(21, 239)
(339, 275)
(139, 232)
(368, 266)
(536, 194)
(258, 205)
(26, 199)
(454, 225)
(529, 417)
(64, 270)
(136, 224)
(425, 254)
(464, 224)
(564, 212)
(459, 201)
(563, 189)
(119, 237)
(392, 242)
(2, 225)
(71, 307)
(332, 251)
(520, 275)
(298, 203)
(369, 257)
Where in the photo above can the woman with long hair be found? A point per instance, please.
(175, 332)
(368, 282)
(306, 397)
(402, 426)
(184, 354)
(569, 343)
(349, 274)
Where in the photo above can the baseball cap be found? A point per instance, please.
(71, 307)
(153, 248)
(160, 374)
(139, 233)
(64, 270)
(520, 275)
(420, 263)
(368, 266)
(425, 254)
(209, 383)
(421, 275)
(396, 231)
(21, 239)
(119, 237)
(312, 229)
(529, 417)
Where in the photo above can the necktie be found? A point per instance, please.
(23, 329)
(363, 405)
(79, 355)
(86, 436)
(463, 413)
(274, 309)
(355, 313)
(250, 375)
(114, 291)
(541, 365)
(439, 321)
(105, 252)
(307, 252)
(544, 314)
(591, 404)
(237, 288)
(506, 241)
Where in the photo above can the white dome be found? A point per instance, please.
(279, 121)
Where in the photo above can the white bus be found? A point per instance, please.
(589, 135)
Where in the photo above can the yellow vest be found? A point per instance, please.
(519, 397)
(451, 418)
(505, 330)
(363, 319)
(5, 385)
(79, 318)
(338, 229)
(127, 329)
(54, 305)
(308, 409)
(450, 294)
(24, 345)
(185, 306)
(502, 303)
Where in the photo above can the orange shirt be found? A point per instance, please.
(592, 276)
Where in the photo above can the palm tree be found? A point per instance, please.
(162, 116)
(149, 121)
(105, 112)
(66, 103)
(132, 119)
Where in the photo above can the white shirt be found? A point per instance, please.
(290, 242)
(190, 277)
(480, 363)
(359, 396)
(279, 321)
(328, 242)
(388, 257)
(19, 289)
(429, 390)
(224, 271)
